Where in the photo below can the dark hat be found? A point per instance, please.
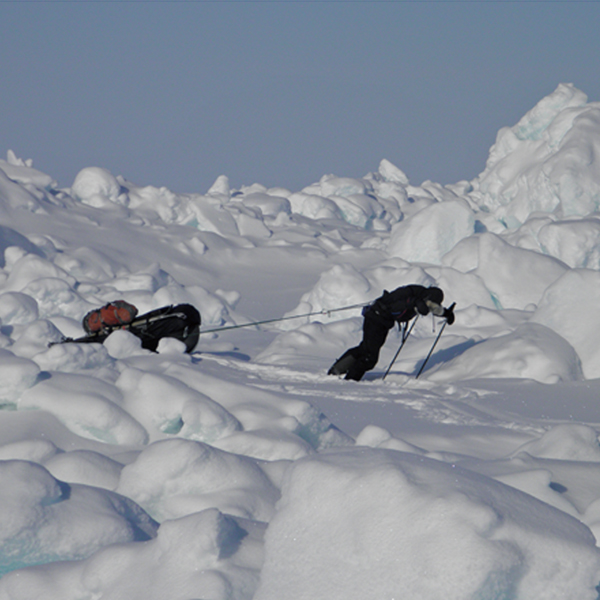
(434, 294)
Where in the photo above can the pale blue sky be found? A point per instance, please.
(177, 93)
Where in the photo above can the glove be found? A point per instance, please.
(421, 307)
(449, 315)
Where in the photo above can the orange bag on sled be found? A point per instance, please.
(181, 322)
(112, 315)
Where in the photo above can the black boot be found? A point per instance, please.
(342, 365)
(360, 367)
(356, 371)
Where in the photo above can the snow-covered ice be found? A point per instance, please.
(242, 471)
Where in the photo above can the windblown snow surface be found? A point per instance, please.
(243, 471)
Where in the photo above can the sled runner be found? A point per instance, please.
(181, 322)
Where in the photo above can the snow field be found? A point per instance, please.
(242, 471)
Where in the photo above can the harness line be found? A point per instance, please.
(325, 311)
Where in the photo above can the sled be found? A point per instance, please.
(181, 322)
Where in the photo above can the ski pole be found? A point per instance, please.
(404, 338)
(437, 339)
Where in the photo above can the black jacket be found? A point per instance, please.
(403, 303)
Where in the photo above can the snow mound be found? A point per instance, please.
(17, 376)
(166, 406)
(515, 277)
(569, 307)
(43, 519)
(576, 243)
(91, 411)
(96, 186)
(565, 442)
(174, 478)
(206, 551)
(547, 162)
(432, 232)
(401, 522)
(529, 352)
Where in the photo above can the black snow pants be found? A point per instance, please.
(356, 361)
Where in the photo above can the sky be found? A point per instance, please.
(176, 94)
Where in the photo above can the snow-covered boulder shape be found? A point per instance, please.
(174, 478)
(359, 209)
(13, 245)
(206, 551)
(86, 467)
(390, 187)
(432, 232)
(17, 375)
(549, 161)
(568, 441)
(391, 173)
(270, 206)
(340, 286)
(335, 197)
(313, 206)
(220, 187)
(341, 186)
(167, 407)
(530, 352)
(386, 524)
(515, 277)
(14, 195)
(95, 185)
(576, 243)
(44, 520)
(92, 412)
(17, 309)
(22, 171)
(570, 307)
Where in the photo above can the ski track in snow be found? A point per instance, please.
(461, 406)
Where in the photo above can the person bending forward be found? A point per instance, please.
(399, 306)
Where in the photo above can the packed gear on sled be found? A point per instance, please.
(111, 315)
(181, 322)
(399, 306)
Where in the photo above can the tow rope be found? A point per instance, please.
(325, 311)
